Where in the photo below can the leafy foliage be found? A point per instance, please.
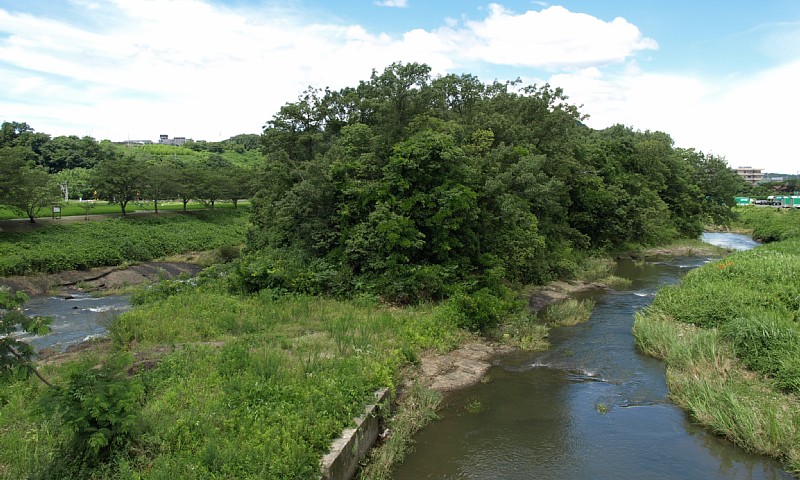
(24, 186)
(15, 355)
(406, 178)
(100, 408)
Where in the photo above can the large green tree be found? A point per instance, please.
(25, 186)
(120, 179)
(159, 181)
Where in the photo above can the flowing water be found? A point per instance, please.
(75, 318)
(590, 407)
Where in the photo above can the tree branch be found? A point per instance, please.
(30, 367)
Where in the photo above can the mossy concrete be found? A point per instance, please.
(347, 451)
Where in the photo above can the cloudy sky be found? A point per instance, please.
(719, 76)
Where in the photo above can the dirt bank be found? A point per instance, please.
(102, 278)
(468, 365)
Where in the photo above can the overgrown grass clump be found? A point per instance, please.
(83, 245)
(730, 335)
(569, 312)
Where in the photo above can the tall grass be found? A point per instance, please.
(730, 336)
(569, 312)
(243, 387)
(417, 410)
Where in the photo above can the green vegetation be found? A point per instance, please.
(78, 209)
(37, 171)
(769, 224)
(415, 189)
(83, 245)
(234, 387)
(569, 312)
(444, 196)
(417, 410)
(730, 337)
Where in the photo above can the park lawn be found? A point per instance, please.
(76, 208)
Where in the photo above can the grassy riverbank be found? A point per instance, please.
(730, 338)
(225, 385)
(82, 245)
(231, 386)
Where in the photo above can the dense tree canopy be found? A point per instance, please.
(406, 184)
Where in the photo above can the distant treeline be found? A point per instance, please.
(37, 170)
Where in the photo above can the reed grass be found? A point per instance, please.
(417, 410)
(569, 312)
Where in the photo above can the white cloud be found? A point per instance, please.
(553, 37)
(749, 121)
(189, 68)
(393, 3)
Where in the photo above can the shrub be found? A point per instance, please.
(100, 409)
(569, 312)
(479, 311)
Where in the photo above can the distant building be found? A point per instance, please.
(751, 175)
(165, 140)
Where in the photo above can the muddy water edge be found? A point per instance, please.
(590, 407)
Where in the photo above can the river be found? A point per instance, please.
(590, 407)
(75, 318)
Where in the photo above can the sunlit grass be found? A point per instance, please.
(82, 245)
(249, 387)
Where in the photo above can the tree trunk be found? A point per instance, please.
(155, 205)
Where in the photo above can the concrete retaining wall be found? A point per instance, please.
(347, 451)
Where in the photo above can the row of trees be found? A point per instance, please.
(126, 174)
(59, 153)
(407, 184)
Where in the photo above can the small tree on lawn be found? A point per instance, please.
(120, 178)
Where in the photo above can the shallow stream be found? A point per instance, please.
(75, 318)
(590, 407)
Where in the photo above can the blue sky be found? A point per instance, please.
(719, 76)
